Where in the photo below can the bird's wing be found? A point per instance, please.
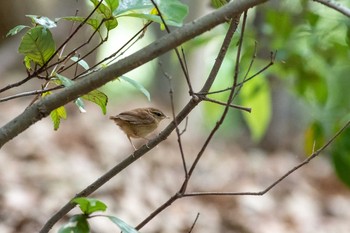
(138, 118)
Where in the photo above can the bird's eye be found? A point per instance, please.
(157, 113)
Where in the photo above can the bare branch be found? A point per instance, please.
(194, 223)
(260, 193)
(272, 61)
(177, 130)
(138, 35)
(182, 63)
(225, 104)
(28, 93)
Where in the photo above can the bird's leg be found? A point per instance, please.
(132, 143)
(147, 142)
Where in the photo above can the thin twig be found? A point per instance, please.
(225, 104)
(178, 134)
(140, 34)
(260, 193)
(74, 51)
(17, 84)
(213, 92)
(71, 36)
(194, 223)
(185, 127)
(29, 93)
(182, 64)
(272, 61)
(223, 116)
(113, 56)
(248, 70)
(63, 48)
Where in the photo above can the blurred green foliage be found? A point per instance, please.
(312, 43)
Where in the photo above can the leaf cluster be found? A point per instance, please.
(88, 207)
(43, 60)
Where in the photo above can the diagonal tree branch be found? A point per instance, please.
(43, 107)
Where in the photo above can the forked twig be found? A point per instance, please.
(178, 134)
(223, 116)
(279, 180)
(272, 61)
(225, 104)
(185, 127)
(181, 60)
(119, 52)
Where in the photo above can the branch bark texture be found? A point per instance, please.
(170, 41)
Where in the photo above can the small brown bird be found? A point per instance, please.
(139, 122)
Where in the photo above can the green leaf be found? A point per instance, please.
(218, 3)
(93, 22)
(64, 80)
(312, 86)
(137, 85)
(111, 23)
(89, 205)
(76, 224)
(80, 103)
(314, 137)
(27, 63)
(122, 225)
(95, 96)
(43, 21)
(341, 157)
(98, 98)
(67, 82)
(112, 4)
(256, 94)
(173, 11)
(312, 18)
(134, 5)
(102, 9)
(347, 39)
(106, 10)
(81, 62)
(57, 114)
(16, 30)
(38, 45)
(154, 18)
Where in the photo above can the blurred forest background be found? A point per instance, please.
(297, 104)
